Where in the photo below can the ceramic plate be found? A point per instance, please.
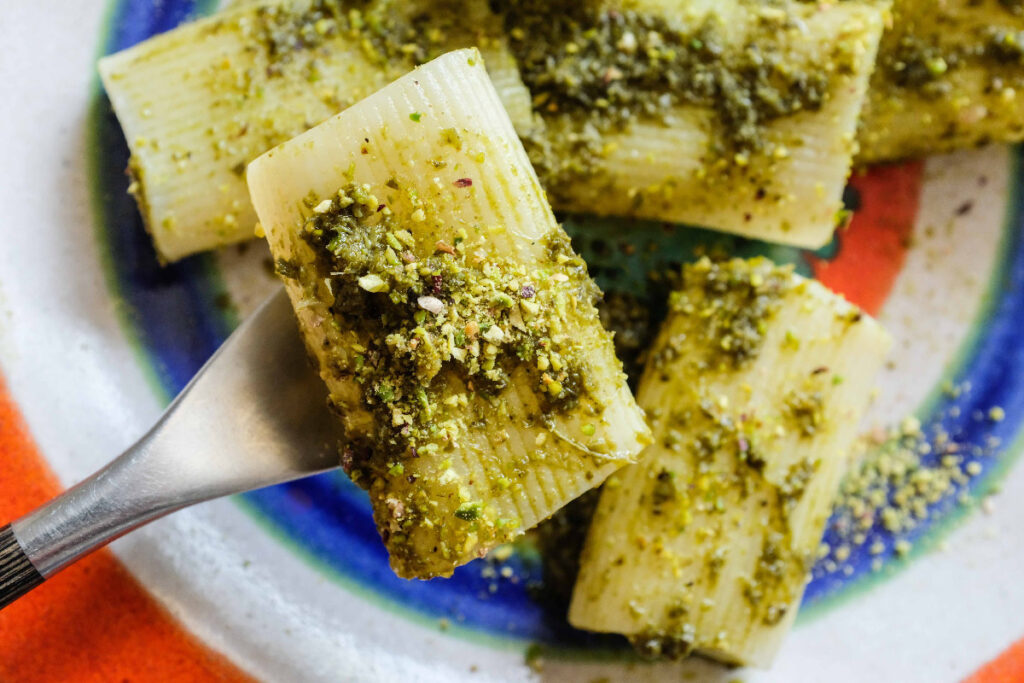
(291, 583)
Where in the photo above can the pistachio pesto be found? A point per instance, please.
(731, 304)
(660, 646)
(387, 33)
(736, 300)
(304, 47)
(948, 75)
(594, 71)
(729, 466)
(559, 539)
(805, 409)
(924, 63)
(707, 543)
(202, 101)
(436, 335)
(424, 315)
(1014, 7)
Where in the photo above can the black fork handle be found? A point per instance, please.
(17, 573)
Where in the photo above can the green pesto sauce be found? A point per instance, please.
(559, 539)
(780, 570)
(660, 646)
(730, 468)
(664, 491)
(304, 49)
(1014, 7)
(304, 56)
(431, 334)
(805, 409)
(431, 318)
(385, 32)
(735, 300)
(770, 590)
(917, 59)
(597, 71)
(735, 295)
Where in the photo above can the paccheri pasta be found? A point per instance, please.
(739, 115)
(949, 75)
(754, 387)
(743, 116)
(449, 316)
(411, 221)
(200, 102)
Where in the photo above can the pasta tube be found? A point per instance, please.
(200, 102)
(738, 115)
(449, 317)
(755, 387)
(950, 75)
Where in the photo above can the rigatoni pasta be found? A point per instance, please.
(738, 115)
(755, 387)
(200, 102)
(449, 316)
(949, 75)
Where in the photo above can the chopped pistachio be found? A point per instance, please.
(373, 283)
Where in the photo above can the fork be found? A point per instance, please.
(255, 415)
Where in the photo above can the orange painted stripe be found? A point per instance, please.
(1006, 668)
(873, 249)
(93, 622)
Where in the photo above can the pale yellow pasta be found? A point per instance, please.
(755, 387)
(949, 75)
(743, 113)
(434, 160)
(200, 102)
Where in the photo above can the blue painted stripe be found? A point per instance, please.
(169, 308)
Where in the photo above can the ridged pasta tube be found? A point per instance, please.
(755, 388)
(950, 75)
(738, 115)
(449, 316)
(200, 102)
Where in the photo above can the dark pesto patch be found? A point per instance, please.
(735, 300)
(770, 591)
(592, 71)
(656, 646)
(805, 409)
(922, 57)
(432, 319)
(385, 30)
(1014, 7)
(663, 491)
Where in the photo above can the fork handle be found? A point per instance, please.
(17, 573)
(204, 446)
